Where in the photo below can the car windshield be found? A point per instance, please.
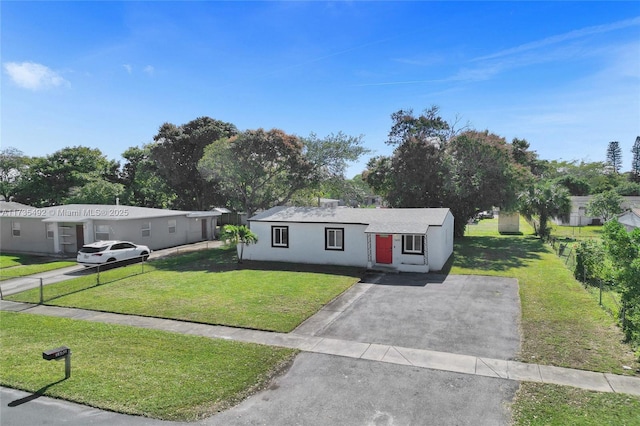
(92, 249)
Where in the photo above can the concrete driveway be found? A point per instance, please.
(459, 314)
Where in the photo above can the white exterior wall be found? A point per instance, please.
(509, 223)
(32, 239)
(188, 230)
(307, 244)
(440, 243)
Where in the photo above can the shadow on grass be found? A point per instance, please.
(494, 253)
(225, 259)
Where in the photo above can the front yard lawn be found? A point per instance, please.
(206, 287)
(20, 265)
(133, 370)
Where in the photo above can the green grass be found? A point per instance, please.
(552, 405)
(133, 370)
(561, 323)
(206, 287)
(20, 265)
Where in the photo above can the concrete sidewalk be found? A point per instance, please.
(480, 366)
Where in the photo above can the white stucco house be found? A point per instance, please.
(64, 229)
(406, 240)
(579, 216)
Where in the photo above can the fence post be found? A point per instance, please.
(98, 276)
(600, 293)
(41, 292)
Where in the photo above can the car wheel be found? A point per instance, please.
(144, 255)
(111, 259)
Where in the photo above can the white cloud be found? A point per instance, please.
(32, 76)
(128, 68)
(149, 69)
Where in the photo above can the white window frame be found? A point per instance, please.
(338, 238)
(277, 233)
(15, 229)
(50, 230)
(146, 229)
(101, 231)
(413, 238)
(172, 226)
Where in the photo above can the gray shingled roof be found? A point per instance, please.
(391, 221)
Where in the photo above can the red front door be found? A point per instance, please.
(384, 249)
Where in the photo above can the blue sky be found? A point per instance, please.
(563, 75)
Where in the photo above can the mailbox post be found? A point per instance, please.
(57, 354)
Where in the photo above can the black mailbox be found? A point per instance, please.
(56, 353)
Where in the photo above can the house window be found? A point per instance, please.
(412, 244)
(15, 229)
(172, 226)
(146, 229)
(102, 232)
(279, 236)
(334, 239)
(50, 230)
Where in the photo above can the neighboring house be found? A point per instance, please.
(64, 229)
(630, 219)
(579, 217)
(410, 240)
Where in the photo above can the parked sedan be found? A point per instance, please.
(102, 252)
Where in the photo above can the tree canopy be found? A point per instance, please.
(13, 164)
(435, 166)
(257, 169)
(176, 153)
(50, 180)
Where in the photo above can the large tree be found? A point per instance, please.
(50, 180)
(469, 172)
(257, 169)
(177, 151)
(635, 161)
(614, 156)
(13, 164)
(143, 185)
(481, 175)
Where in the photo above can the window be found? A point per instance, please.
(50, 230)
(334, 239)
(279, 236)
(172, 226)
(15, 229)
(102, 232)
(412, 244)
(146, 229)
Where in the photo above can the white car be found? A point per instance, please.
(111, 251)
